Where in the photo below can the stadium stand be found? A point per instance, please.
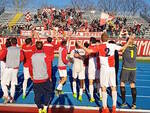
(14, 20)
(6, 17)
(2, 9)
(50, 18)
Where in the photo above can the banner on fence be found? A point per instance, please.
(143, 45)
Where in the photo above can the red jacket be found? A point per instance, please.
(28, 50)
(49, 49)
(3, 47)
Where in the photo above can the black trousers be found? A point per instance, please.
(42, 90)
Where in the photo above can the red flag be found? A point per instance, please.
(105, 18)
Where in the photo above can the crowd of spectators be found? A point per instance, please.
(14, 30)
(70, 19)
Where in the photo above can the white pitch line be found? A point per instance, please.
(142, 86)
(75, 107)
(142, 80)
(139, 96)
(138, 86)
(142, 75)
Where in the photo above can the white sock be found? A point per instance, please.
(104, 99)
(5, 90)
(91, 90)
(74, 85)
(81, 92)
(12, 90)
(114, 97)
(59, 87)
(24, 86)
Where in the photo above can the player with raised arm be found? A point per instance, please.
(62, 67)
(28, 49)
(92, 67)
(3, 67)
(49, 46)
(128, 72)
(14, 55)
(107, 71)
(97, 76)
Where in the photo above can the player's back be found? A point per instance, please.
(28, 51)
(49, 49)
(106, 53)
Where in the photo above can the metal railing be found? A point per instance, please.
(111, 36)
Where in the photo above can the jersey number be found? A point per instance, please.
(131, 53)
(107, 50)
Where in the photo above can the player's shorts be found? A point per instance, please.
(97, 76)
(92, 69)
(128, 76)
(3, 67)
(91, 73)
(107, 77)
(26, 73)
(11, 76)
(62, 73)
(80, 75)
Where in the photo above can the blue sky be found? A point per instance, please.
(60, 3)
(57, 3)
(34, 4)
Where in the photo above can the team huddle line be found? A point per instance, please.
(96, 59)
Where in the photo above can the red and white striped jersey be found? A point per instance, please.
(106, 53)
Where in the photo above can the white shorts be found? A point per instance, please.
(3, 67)
(11, 76)
(26, 73)
(97, 76)
(80, 75)
(62, 73)
(107, 77)
(91, 72)
(92, 69)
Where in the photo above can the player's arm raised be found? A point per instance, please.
(131, 38)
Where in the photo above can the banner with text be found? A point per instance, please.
(143, 45)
